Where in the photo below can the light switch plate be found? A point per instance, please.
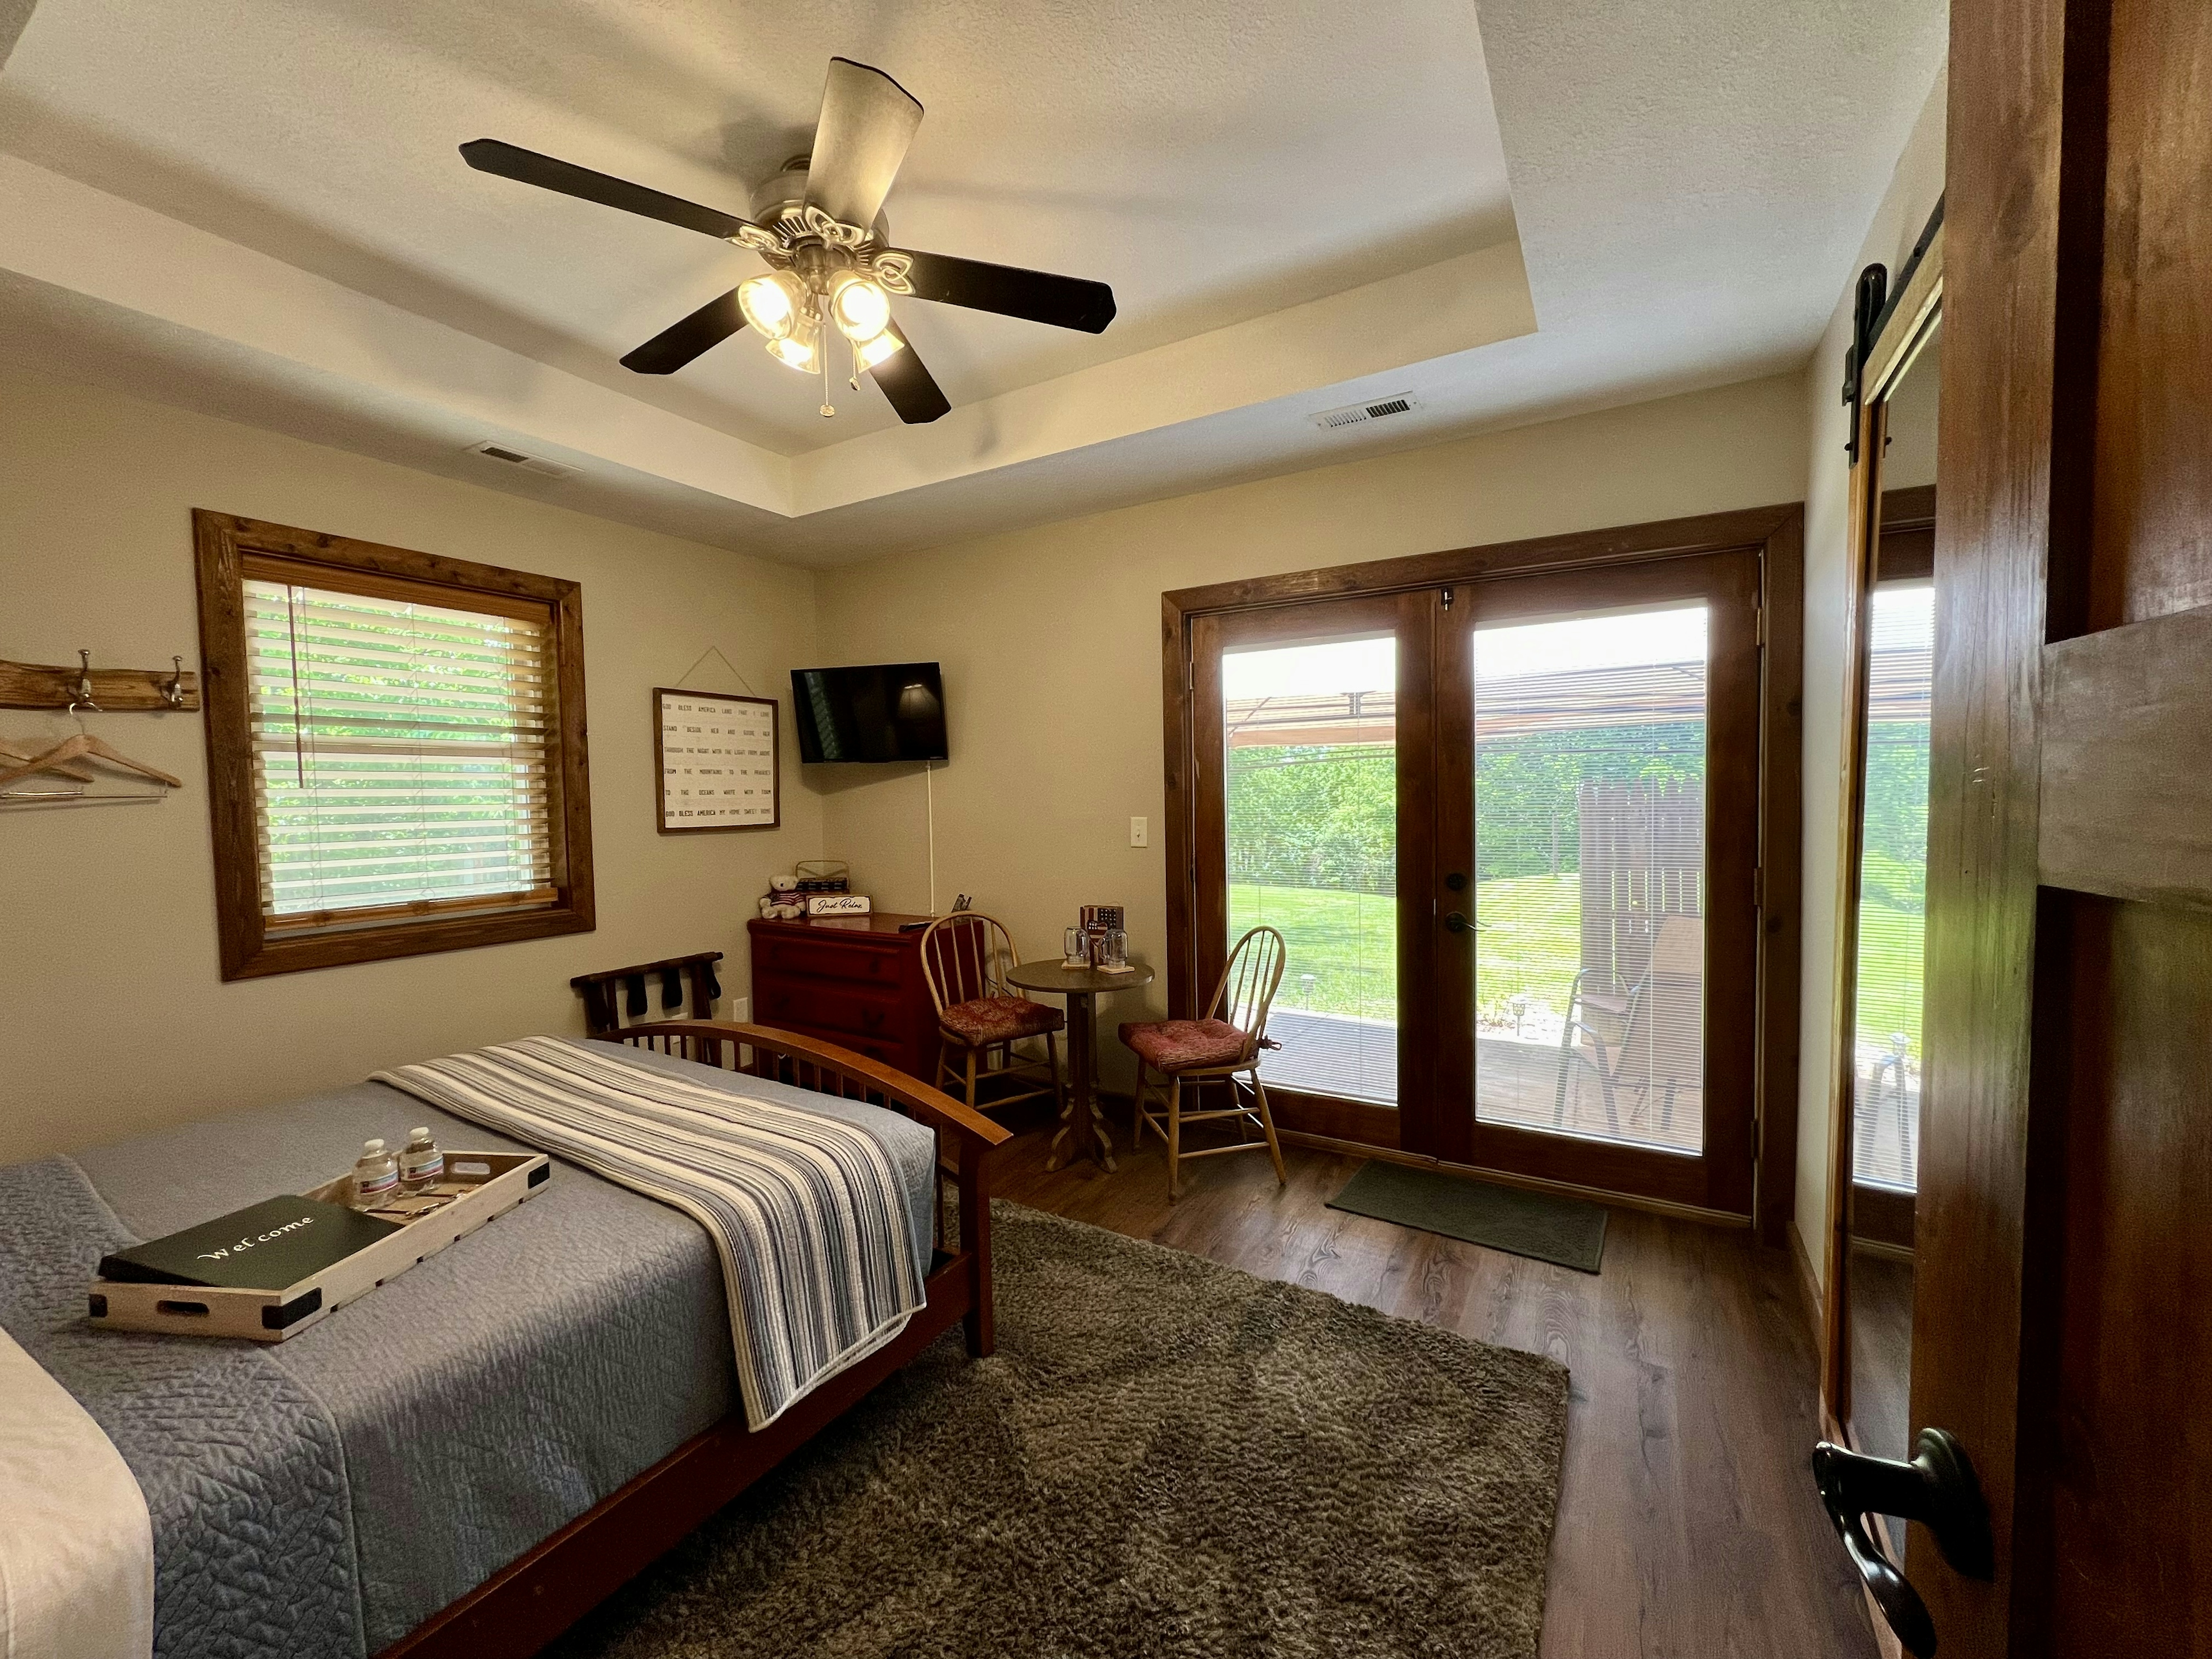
(1140, 832)
(741, 1011)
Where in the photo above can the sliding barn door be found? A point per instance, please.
(2064, 1325)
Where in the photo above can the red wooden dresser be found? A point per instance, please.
(854, 981)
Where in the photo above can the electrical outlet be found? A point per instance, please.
(741, 1010)
(1140, 832)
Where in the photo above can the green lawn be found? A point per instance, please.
(1890, 969)
(1530, 944)
(1349, 942)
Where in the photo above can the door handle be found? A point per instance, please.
(1455, 923)
(1937, 1488)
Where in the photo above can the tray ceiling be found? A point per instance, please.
(255, 206)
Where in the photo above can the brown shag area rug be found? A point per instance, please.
(1165, 1456)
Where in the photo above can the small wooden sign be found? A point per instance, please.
(716, 756)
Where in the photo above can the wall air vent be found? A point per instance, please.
(522, 463)
(1359, 414)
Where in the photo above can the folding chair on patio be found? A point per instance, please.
(1648, 1039)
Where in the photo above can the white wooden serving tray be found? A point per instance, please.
(483, 1186)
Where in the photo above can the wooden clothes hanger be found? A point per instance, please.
(9, 751)
(58, 759)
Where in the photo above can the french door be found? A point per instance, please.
(1509, 829)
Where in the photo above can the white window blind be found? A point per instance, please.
(402, 756)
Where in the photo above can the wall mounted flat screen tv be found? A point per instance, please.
(886, 711)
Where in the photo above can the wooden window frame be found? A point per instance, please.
(223, 546)
(1777, 532)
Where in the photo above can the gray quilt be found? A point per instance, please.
(244, 1476)
(444, 1425)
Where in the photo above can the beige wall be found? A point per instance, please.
(1913, 190)
(1049, 638)
(115, 1019)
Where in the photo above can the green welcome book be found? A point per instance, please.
(267, 1246)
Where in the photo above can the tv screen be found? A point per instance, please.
(888, 712)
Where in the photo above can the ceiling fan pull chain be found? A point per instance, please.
(828, 408)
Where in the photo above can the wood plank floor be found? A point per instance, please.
(1687, 1521)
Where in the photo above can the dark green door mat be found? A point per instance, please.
(1565, 1231)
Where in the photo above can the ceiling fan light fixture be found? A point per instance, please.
(820, 228)
(800, 346)
(772, 303)
(884, 346)
(861, 309)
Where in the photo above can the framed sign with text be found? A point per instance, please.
(716, 757)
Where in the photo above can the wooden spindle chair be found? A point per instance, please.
(1224, 1047)
(965, 957)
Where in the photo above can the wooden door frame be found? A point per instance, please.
(1777, 531)
(1891, 537)
(1901, 528)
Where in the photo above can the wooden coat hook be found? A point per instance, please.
(106, 691)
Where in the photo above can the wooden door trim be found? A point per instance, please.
(1777, 531)
(1711, 532)
(1891, 533)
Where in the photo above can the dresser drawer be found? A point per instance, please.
(832, 1009)
(805, 958)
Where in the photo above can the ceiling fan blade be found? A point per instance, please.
(907, 381)
(678, 343)
(528, 166)
(867, 121)
(1042, 297)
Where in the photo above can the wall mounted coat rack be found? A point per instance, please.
(105, 691)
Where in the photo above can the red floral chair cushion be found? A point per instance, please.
(985, 1021)
(1180, 1045)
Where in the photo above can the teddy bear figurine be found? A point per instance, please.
(781, 903)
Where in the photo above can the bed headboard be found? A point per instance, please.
(610, 992)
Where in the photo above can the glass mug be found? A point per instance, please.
(1113, 950)
(1075, 949)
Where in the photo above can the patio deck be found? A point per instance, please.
(1518, 1080)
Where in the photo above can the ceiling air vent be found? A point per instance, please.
(522, 463)
(1357, 414)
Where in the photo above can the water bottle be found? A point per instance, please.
(375, 1177)
(421, 1165)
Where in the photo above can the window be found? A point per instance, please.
(396, 747)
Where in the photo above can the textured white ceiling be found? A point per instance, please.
(1299, 205)
(1213, 162)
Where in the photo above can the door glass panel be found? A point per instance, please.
(1312, 817)
(1885, 1069)
(1893, 883)
(1590, 895)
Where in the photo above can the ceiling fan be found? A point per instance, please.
(819, 225)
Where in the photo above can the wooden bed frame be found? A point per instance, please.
(527, 1604)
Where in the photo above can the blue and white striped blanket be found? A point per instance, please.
(807, 1213)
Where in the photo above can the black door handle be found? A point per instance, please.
(1937, 1488)
(1455, 923)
